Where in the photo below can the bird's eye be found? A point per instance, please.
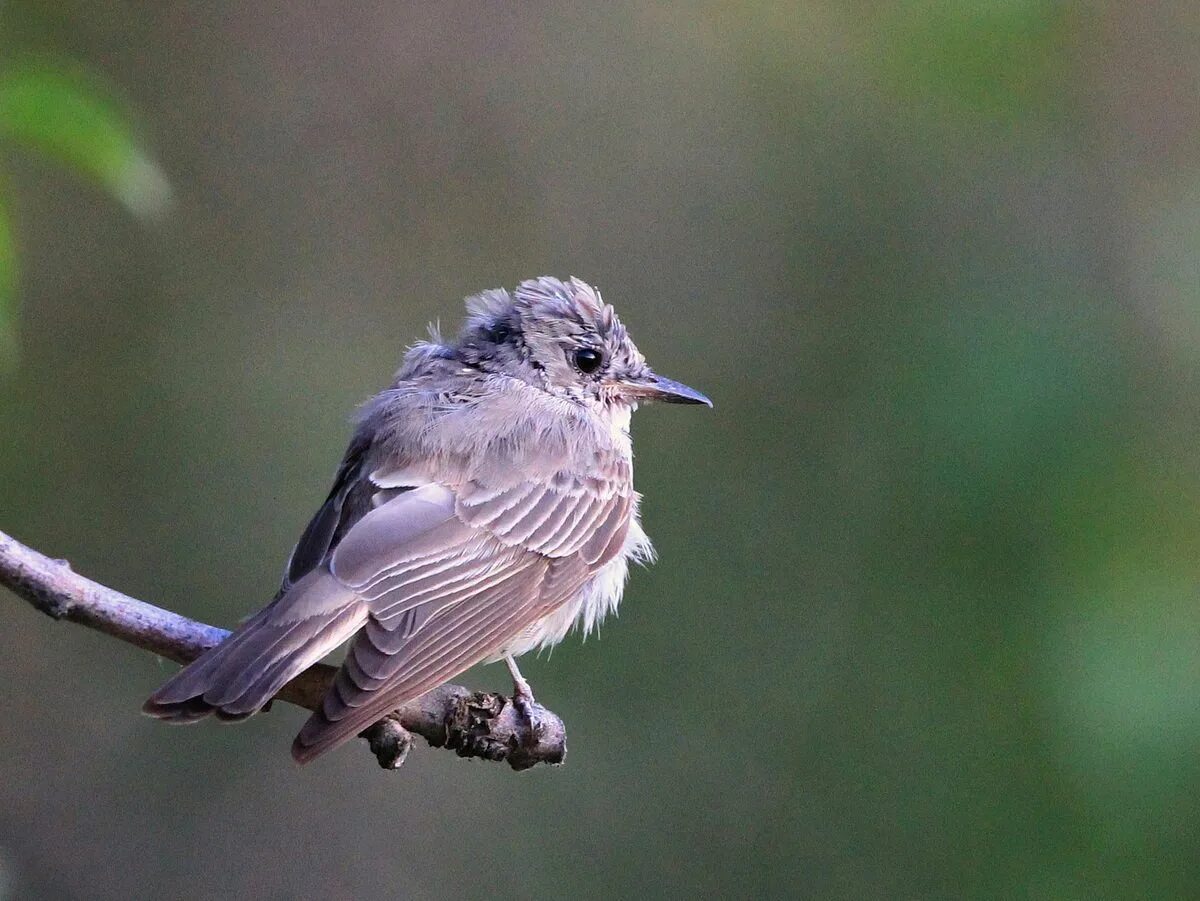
(588, 359)
(499, 332)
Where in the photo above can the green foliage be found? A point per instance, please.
(58, 112)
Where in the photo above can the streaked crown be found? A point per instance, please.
(559, 335)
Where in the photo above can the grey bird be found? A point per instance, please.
(485, 506)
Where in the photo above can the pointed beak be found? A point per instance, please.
(655, 387)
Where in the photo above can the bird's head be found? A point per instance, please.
(563, 338)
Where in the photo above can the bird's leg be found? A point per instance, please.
(523, 701)
(522, 693)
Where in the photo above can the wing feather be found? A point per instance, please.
(450, 577)
(576, 526)
(349, 499)
(417, 525)
(554, 516)
(457, 638)
(609, 536)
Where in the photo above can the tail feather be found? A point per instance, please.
(239, 676)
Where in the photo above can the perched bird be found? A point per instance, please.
(485, 505)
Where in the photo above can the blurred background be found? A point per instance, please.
(925, 622)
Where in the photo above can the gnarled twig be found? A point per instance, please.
(472, 724)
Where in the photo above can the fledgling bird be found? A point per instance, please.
(485, 505)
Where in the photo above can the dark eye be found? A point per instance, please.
(499, 332)
(588, 359)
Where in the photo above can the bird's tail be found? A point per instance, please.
(239, 676)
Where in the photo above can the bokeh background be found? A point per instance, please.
(926, 619)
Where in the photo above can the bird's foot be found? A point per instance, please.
(524, 703)
(528, 708)
(523, 698)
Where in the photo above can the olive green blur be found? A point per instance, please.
(926, 619)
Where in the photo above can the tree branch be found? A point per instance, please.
(472, 724)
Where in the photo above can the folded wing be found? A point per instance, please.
(309, 618)
(439, 605)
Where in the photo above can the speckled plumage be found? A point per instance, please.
(485, 505)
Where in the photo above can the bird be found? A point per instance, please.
(484, 507)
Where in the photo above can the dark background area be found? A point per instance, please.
(925, 622)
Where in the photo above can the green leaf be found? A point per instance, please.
(66, 116)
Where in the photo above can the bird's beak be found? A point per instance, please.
(654, 387)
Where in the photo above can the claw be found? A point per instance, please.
(523, 700)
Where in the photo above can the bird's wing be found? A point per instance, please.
(349, 500)
(385, 669)
(314, 615)
(559, 516)
(442, 603)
